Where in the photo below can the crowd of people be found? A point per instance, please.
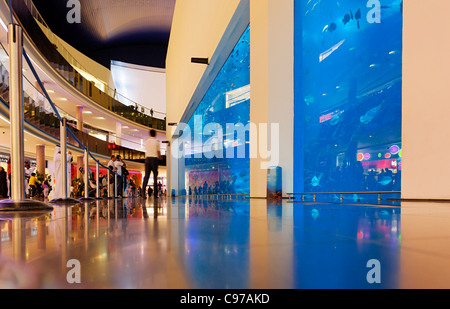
(37, 185)
(222, 187)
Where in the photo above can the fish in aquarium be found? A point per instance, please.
(315, 181)
(370, 115)
(309, 99)
(347, 18)
(332, 27)
(385, 180)
(358, 14)
(335, 120)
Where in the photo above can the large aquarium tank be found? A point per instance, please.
(216, 144)
(348, 95)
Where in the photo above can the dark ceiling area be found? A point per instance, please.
(134, 31)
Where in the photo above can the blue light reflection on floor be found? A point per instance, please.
(331, 244)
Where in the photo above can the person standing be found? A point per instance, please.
(9, 177)
(112, 168)
(3, 183)
(57, 192)
(118, 164)
(152, 154)
(111, 162)
(28, 171)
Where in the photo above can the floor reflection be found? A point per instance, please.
(194, 243)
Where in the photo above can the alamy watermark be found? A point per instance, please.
(74, 14)
(374, 274)
(374, 14)
(74, 274)
(236, 140)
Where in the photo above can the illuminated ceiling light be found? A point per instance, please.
(372, 65)
(393, 52)
(87, 112)
(50, 91)
(99, 118)
(62, 99)
(125, 127)
(338, 87)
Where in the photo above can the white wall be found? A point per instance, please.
(426, 100)
(272, 87)
(144, 85)
(198, 26)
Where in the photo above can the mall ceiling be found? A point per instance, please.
(133, 31)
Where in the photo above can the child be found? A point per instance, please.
(46, 189)
(33, 184)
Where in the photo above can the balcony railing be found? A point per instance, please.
(41, 117)
(64, 63)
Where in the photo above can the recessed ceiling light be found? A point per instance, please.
(125, 127)
(99, 118)
(62, 99)
(50, 91)
(87, 112)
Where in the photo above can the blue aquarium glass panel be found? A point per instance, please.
(217, 150)
(348, 95)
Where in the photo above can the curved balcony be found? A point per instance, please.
(38, 115)
(55, 54)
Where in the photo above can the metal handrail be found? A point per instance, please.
(216, 196)
(379, 193)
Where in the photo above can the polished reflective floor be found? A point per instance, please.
(183, 243)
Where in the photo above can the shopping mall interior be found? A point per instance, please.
(297, 142)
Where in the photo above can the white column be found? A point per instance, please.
(79, 114)
(425, 129)
(272, 91)
(118, 133)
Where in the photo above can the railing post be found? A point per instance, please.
(16, 114)
(86, 174)
(17, 188)
(115, 185)
(63, 143)
(97, 180)
(109, 184)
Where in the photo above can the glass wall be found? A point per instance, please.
(216, 137)
(348, 86)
